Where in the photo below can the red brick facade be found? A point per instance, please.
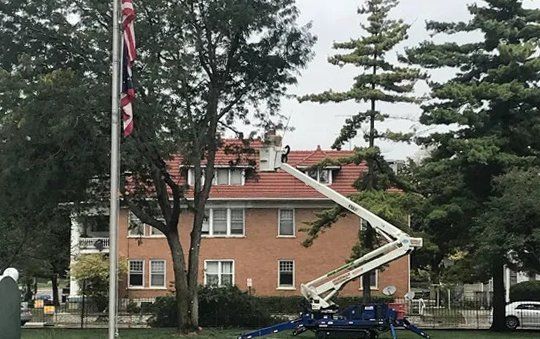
(256, 253)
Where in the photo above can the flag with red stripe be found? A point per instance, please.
(130, 54)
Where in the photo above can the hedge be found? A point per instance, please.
(230, 307)
(525, 291)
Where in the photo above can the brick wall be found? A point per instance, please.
(256, 254)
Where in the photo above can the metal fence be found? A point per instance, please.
(76, 313)
(466, 313)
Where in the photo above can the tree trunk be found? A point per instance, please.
(54, 282)
(183, 298)
(499, 296)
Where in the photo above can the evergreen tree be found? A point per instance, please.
(491, 109)
(379, 81)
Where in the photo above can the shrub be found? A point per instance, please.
(163, 312)
(218, 307)
(132, 307)
(525, 291)
(230, 307)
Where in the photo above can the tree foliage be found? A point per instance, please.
(491, 109)
(203, 67)
(379, 81)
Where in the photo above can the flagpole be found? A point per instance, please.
(115, 170)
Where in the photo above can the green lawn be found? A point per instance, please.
(230, 334)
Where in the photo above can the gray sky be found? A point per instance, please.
(337, 20)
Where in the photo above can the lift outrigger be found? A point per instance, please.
(324, 317)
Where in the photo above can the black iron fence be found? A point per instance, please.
(475, 313)
(76, 313)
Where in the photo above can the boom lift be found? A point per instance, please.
(358, 321)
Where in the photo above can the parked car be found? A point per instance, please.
(26, 315)
(47, 298)
(523, 314)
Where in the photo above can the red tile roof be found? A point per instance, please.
(279, 184)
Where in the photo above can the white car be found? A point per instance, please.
(523, 314)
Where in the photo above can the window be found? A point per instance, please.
(237, 177)
(157, 273)
(219, 221)
(218, 272)
(324, 176)
(206, 222)
(136, 273)
(237, 221)
(136, 227)
(154, 232)
(373, 280)
(224, 222)
(286, 222)
(222, 176)
(513, 278)
(94, 224)
(286, 274)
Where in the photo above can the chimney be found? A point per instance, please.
(271, 139)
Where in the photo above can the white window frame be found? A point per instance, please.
(191, 182)
(228, 234)
(150, 228)
(146, 231)
(293, 235)
(373, 288)
(143, 274)
(132, 218)
(164, 273)
(293, 286)
(330, 175)
(220, 270)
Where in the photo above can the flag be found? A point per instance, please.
(128, 90)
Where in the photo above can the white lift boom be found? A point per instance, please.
(320, 291)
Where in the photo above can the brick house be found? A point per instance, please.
(252, 237)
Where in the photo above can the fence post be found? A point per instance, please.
(82, 303)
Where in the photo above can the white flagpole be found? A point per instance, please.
(115, 170)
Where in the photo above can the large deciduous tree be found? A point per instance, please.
(379, 81)
(491, 109)
(203, 67)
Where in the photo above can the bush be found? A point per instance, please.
(218, 307)
(230, 307)
(525, 291)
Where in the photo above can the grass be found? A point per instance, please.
(231, 334)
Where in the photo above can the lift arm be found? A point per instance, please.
(320, 291)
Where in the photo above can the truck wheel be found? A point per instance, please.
(511, 322)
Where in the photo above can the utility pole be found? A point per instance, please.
(115, 170)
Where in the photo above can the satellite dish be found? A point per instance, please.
(409, 295)
(389, 290)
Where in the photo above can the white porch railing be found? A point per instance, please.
(93, 243)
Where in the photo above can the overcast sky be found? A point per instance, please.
(337, 20)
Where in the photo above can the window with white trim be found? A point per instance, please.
(136, 273)
(222, 176)
(324, 176)
(286, 223)
(154, 232)
(157, 273)
(286, 274)
(224, 222)
(218, 272)
(136, 226)
(373, 280)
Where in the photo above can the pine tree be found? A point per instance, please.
(491, 109)
(379, 81)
